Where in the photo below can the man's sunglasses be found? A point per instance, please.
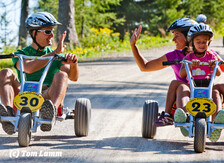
(47, 31)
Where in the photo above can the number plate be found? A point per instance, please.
(32, 100)
(198, 104)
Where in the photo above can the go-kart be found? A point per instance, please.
(200, 107)
(29, 101)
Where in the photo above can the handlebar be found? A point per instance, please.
(61, 58)
(171, 62)
(182, 61)
(11, 55)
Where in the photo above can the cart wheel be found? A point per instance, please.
(150, 115)
(82, 116)
(223, 41)
(24, 133)
(200, 135)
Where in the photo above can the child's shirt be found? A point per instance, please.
(203, 71)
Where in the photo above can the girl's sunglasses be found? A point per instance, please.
(47, 31)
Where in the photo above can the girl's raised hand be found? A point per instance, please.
(135, 35)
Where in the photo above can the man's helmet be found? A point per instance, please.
(40, 20)
(198, 29)
(182, 24)
(201, 18)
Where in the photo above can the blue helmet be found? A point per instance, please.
(201, 18)
(198, 29)
(182, 24)
(40, 20)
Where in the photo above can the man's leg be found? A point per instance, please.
(58, 88)
(9, 86)
(56, 94)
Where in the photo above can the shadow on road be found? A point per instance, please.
(116, 143)
(118, 95)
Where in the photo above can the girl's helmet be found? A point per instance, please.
(182, 24)
(198, 29)
(201, 18)
(40, 20)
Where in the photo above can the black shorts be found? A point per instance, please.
(201, 82)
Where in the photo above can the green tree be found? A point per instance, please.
(132, 12)
(66, 14)
(22, 28)
(95, 13)
(162, 14)
(4, 29)
(88, 13)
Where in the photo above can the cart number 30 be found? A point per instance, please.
(32, 102)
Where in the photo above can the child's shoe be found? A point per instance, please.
(181, 117)
(215, 135)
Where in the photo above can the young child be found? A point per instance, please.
(200, 37)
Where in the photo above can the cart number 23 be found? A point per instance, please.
(197, 106)
(32, 102)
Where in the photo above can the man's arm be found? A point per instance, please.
(31, 66)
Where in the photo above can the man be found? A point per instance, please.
(40, 26)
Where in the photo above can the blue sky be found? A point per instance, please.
(13, 15)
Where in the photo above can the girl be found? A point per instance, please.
(200, 35)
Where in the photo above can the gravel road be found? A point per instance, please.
(117, 90)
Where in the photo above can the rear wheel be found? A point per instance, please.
(82, 116)
(24, 133)
(200, 135)
(150, 115)
(223, 41)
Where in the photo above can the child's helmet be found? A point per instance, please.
(198, 29)
(182, 24)
(201, 18)
(40, 20)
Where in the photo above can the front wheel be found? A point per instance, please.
(24, 133)
(82, 116)
(150, 115)
(200, 135)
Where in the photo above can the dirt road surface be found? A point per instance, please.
(117, 90)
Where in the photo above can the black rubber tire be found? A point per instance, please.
(24, 133)
(223, 41)
(82, 117)
(150, 115)
(200, 135)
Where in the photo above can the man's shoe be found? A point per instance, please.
(165, 119)
(8, 127)
(47, 112)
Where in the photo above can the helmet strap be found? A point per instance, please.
(34, 40)
(185, 50)
(196, 52)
